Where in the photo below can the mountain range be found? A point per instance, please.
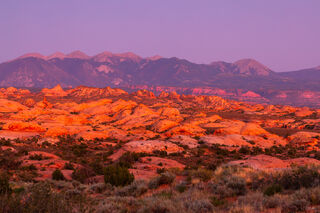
(244, 79)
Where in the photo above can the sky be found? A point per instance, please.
(282, 34)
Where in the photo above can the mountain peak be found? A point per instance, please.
(154, 58)
(33, 55)
(56, 55)
(78, 54)
(252, 67)
(104, 56)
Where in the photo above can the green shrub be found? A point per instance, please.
(79, 150)
(129, 158)
(68, 166)
(97, 167)
(117, 175)
(244, 150)
(272, 189)
(57, 175)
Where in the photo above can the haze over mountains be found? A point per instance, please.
(245, 79)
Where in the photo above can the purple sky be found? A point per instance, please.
(282, 34)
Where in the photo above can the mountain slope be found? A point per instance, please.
(127, 69)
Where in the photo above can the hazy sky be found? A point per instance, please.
(282, 34)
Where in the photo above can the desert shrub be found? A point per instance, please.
(117, 175)
(110, 207)
(298, 177)
(181, 187)
(254, 200)
(82, 173)
(8, 160)
(57, 175)
(237, 185)
(271, 202)
(98, 187)
(18, 190)
(38, 198)
(311, 195)
(260, 180)
(37, 157)
(161, 170)
(116, 204)
(272, 189)
(201, 206)
(220, 151)
(79, 149)
(129, 158)
(68, 166)
(5, 142)
(158, 205)
(241, 209)
(67, 139)
(30, 167)
(220, 190)
(97, 167)
(202, 174)
(216, 201)
(295, 206)
(314, 196)
(4, 183)
(135, 189)
(244, 150)
(226, 182)
(256, 150)
(164, 178)
(160, 153)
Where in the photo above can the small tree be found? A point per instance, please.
(57, 175)
(117, 175)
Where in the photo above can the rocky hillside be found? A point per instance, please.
(91, 149)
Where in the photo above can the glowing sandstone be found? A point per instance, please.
(56, 91)
(148, 146)
(265, 162)
(10, 106)
(23, 126)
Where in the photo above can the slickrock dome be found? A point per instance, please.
(55, 91)
(11, 106)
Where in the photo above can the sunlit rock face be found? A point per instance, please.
(56, 91)
(59, 111)
(265, 162)
(169, 129)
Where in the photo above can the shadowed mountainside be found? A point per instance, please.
(128, 71)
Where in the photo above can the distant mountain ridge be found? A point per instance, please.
(128, 70)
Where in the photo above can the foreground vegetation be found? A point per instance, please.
(227, 189)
